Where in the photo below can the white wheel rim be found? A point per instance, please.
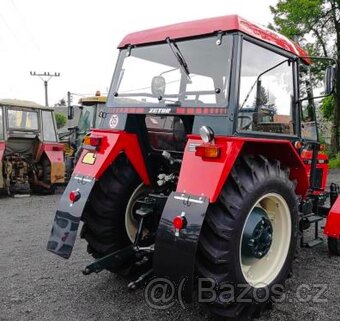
(131, 224)
(262, 272)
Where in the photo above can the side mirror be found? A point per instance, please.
(329, 81)
(70, 112)
(158, 86)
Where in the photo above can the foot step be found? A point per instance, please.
(314, 218)
(314, 242)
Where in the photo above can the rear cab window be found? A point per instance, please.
(22, 120)
(48, 126)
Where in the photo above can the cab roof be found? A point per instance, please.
(22, 104)
(210, 26)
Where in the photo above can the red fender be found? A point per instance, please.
(332, 227)
(112, 143)
(55, 154)
(206, 176)
(2, 150)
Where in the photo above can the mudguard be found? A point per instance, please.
(332, 227)
(67, 217)
(112, 144)
(199, 176)
(175, 253)
(206, 177)
(55, 154)
(90, 167)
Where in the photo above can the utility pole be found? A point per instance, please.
(45, 77)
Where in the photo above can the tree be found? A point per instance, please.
(319, 22)
(61, 103)
(60, 119)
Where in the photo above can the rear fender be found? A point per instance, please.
(67, 218)
(283, 151)
(112, 144)
(55, 154)
(206, 177)
(332, 227)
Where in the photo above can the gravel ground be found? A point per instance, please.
(37, 285)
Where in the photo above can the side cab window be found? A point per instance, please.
(307, 107)
(48, 127)
(266, 91)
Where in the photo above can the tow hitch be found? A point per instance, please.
(116, 260)
(132, 254)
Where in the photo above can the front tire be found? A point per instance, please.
(249, 237)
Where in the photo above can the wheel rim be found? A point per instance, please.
(131, 224)
(265, 240)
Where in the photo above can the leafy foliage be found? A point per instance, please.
(315, 25)
(60, 119)
(327, 107)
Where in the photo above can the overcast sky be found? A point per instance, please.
(78, 38)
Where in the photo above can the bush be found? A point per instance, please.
(60, 119)
(334, 162)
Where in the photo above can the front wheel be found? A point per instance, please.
(249, 237)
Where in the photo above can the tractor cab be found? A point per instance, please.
(88, 117)
(243, 81)
(90, 108)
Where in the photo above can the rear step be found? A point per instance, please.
(313, 243)
(314, 218)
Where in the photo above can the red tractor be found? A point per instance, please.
(31, 158)
(206, 164)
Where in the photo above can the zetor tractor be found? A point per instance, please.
(206, 165)
(31, 159)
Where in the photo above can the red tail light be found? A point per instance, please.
(92, 141)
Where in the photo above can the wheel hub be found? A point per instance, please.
(257, 235)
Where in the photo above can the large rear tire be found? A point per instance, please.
(334, 246)
(103, 217)
(249, 237)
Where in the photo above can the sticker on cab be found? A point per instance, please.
(113, 122)
(89, 158)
